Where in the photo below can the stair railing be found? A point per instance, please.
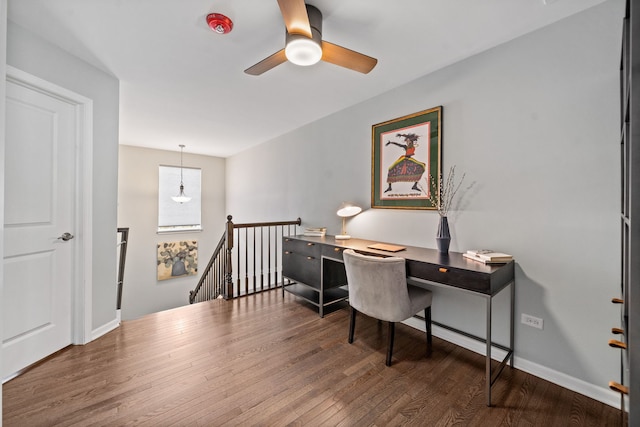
(246, 260)
(211, 283)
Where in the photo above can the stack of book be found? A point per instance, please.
(315, 231)
(488, 256)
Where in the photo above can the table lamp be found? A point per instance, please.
(345, 211)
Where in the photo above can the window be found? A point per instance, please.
(173, 216)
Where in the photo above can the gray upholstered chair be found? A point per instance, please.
(378, 288)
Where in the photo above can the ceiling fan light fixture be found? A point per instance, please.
(304, 44)
(301, 50)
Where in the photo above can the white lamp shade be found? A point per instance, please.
(349, 210)
(181, 199)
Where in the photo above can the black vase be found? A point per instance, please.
(443, 238)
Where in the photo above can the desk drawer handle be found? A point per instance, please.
(311, 244)
(442, 270)
(617, 331)
(288, 252)
(617, 300)
(310, 258)
(617, 344)
(337, 249)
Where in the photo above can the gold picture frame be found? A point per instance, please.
(405, 152)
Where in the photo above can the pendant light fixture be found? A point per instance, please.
(181, 197)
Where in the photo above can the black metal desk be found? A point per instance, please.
(424, 267)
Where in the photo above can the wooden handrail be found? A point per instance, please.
(266, 224)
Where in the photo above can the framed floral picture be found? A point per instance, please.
(176, 259)
(405, 152)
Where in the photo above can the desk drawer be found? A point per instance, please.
(333, 252)
(301, 247)
(301, 268)
(471, 280)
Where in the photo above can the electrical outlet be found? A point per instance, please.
(536, 322)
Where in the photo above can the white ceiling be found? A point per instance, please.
(181, 83)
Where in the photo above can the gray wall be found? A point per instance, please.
(138, 210)
(534, 123)
(36, 56)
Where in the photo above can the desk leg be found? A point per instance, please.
(321, 295)
(512, 332)
(488, 354)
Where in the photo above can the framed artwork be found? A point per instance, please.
(176, 259)
(405, 152)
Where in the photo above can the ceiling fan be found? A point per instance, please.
(304, 44)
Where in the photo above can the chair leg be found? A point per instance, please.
(392, 331)
(427, 320)
(352, 324)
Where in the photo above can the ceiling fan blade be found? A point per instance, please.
(347, 58)
(268, 63)
(294, 13)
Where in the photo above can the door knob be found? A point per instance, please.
(66, 237)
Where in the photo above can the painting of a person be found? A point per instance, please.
(406, 168)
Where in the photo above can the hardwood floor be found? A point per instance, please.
(262, 360)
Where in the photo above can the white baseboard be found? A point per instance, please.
(106, 328)
(599, 393)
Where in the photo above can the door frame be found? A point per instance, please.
(81, 288)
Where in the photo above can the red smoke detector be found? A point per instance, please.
(219, 23)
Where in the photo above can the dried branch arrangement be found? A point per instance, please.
(442, 195)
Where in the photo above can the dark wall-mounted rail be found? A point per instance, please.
(122, 248)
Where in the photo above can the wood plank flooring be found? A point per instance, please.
(262, 360)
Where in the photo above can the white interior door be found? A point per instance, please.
(41, 139)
